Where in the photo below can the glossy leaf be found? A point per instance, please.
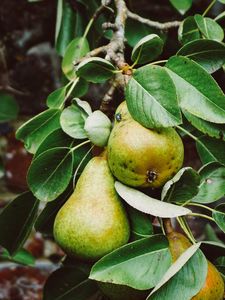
(50, 173)
(209, 28)
(15, 230)
(34, 131)
(8, 108)
(75, 50)
(151, 98)
(72, 121)
(57, 98)
(188, 30)
(65, 26)
(22, 256)
(95, 69)
(184, 278)
(141, 225)
(182, 187)
(182, 6)
(210, 149)
(139, 264)
(197, 91)
(219, 216)
(69, 283)
(212, 186)
(57, 138)
(147, 49)
(208, 53)
(149, 205)
(213, 130)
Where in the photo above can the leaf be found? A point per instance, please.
(72, 121)
(147, 49)
(8, 108)
(50, 173)
(188, 30)
(80, 88)
(198, 92)
(209, 28)
(69, 283)
(222, 1)
(151, 98)
(182, 187)
(210, 234)
(139, 264)
(210, 149)
(213, 249)
(212, 186)
(219, 216)
(211, 129)
(55, 139)
(182, 6)
(22, 256)
(95, 69)
(184, 278)
(149, 205)
(65, 26)
(220, 264)
(15, 230)
(141, 225)
(84, 106)
(57, 98)
(208, 53)
(76, 49)
(35, 130)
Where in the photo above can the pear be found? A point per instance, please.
(93, 221)
(213, 289)
(142, 157)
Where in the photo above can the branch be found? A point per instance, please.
(155, 24)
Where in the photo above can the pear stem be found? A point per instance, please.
(168, 226)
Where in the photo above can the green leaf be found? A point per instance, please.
(151, 98)
(55, 139)
(72, 121)
(75, 50)
(140, 264)
(16, 221)
(50, 173)
(212, 186)
(197, 91)
(211, 129)
(182, 187)
(22, 256)
(220, 264)
(45, 220)
(69, 283)
(34, 131)
(209, 28)
(208, 53)
(141, 226)
(8, 108)
(182, 6)
(210, 234)
(81, 88)
(149, 205)
(57, 98)
(210, 149)
(95, 69)
(185, 277)
(188, 30)
(65, 26)
(222, 1)
(147, 49)
(219, 216)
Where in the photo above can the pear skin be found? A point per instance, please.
(142, 157)
(93, 221)
(213, 288)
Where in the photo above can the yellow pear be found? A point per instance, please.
(213, 288)
(93, 221)
(142, 157)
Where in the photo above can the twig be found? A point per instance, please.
(13, 91)
(93, 53)
(155, 24)
(108, 97)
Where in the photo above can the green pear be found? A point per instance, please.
(142, 157)
(93, 221)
